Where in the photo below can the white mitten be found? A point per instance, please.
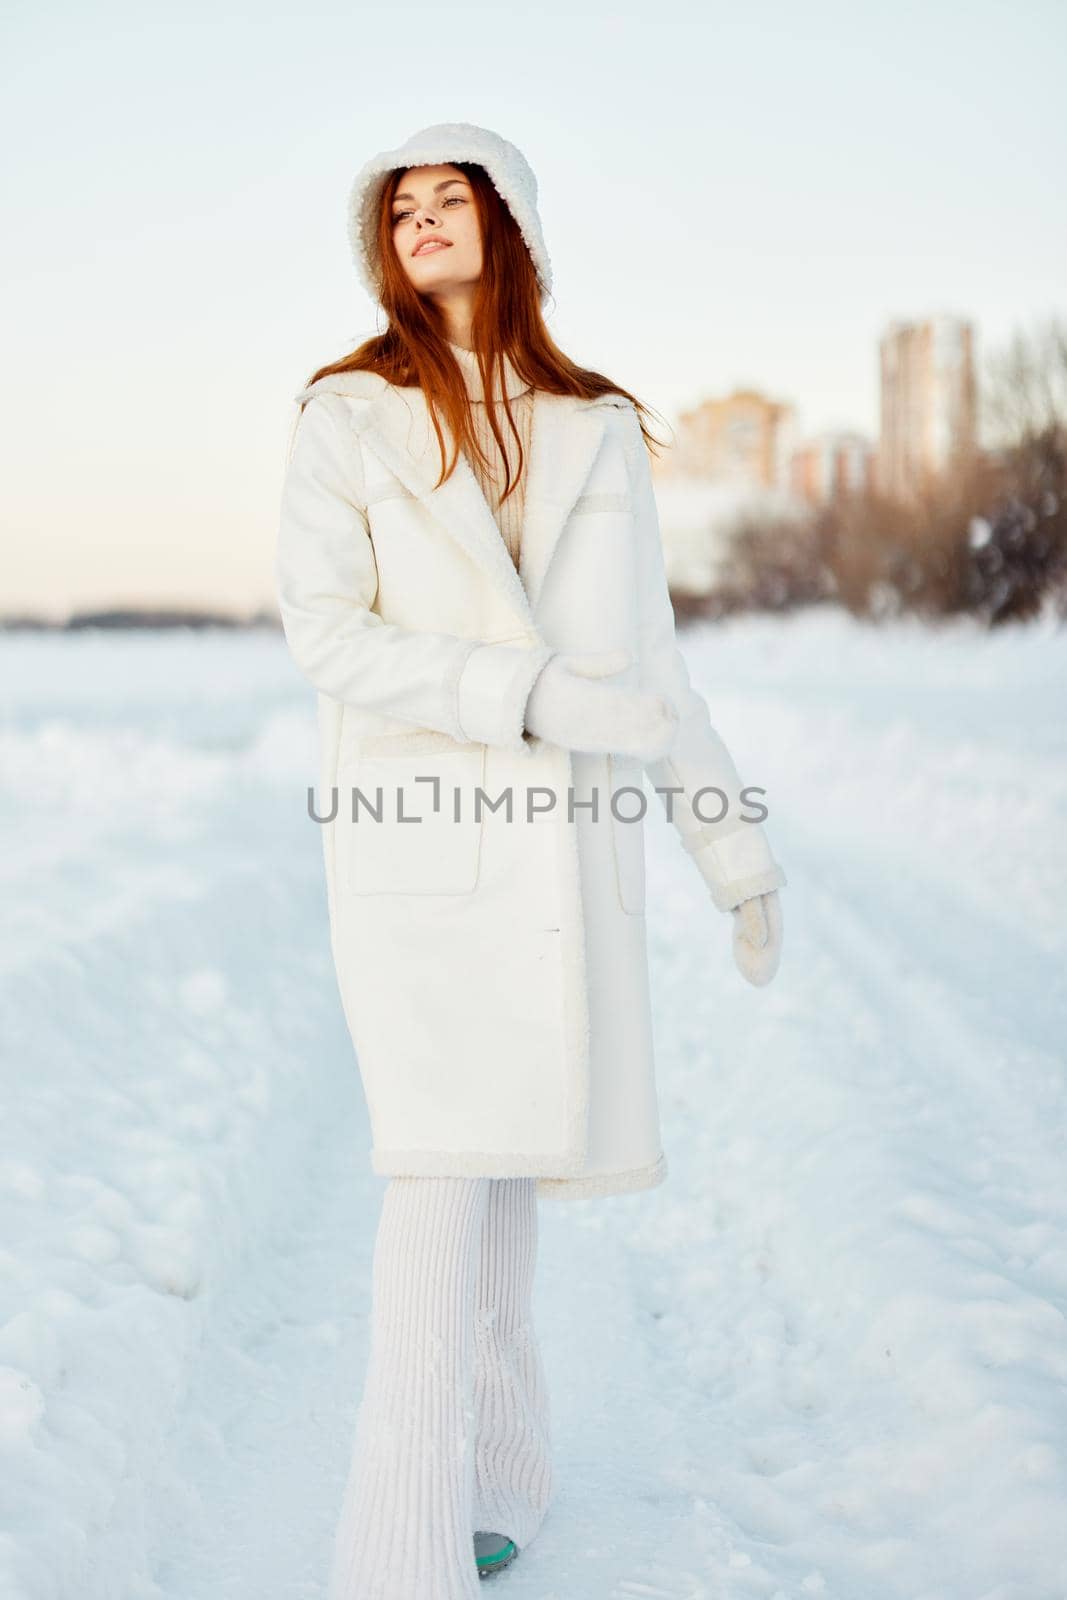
(569, 706)
(757, 936)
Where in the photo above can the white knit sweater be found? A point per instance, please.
(521, 395)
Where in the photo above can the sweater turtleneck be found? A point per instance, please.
(509, 514)
(468, 361)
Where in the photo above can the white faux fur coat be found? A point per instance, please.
(493, 968)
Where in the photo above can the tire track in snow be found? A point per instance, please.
(246, 1503)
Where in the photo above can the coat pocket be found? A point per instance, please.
(627, 814)
(408, 822)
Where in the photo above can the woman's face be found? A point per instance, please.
(436, 232)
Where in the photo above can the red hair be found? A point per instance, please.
(507, 320)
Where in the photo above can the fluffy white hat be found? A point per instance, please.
(511, 174)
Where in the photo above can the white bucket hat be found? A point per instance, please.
(510, 172)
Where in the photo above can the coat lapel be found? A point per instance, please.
(565, 438)
(566, 435)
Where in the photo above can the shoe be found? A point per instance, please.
(493, 1552)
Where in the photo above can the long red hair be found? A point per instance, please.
(414, 352)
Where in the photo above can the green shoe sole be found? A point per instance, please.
(493, 1552)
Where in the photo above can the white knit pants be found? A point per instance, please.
(452, 1434)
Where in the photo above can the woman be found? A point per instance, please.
(470, 572)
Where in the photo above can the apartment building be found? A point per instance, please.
(928, 403)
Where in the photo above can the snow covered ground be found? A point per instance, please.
(827, 1360)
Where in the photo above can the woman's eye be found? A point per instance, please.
(398, 216)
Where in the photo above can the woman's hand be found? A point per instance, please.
(570, 706)
(757, 937)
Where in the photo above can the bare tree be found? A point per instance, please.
(1019, 546)
(1025, 388)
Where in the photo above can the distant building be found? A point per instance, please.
(928, 403)
(831, 465)
(744, 441)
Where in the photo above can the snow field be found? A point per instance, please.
(826, 1358)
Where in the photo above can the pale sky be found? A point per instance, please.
(731, 194)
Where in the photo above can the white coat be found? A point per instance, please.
(493, 971)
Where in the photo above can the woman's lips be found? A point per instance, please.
(431, 244)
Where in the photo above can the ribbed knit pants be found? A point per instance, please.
(452, 1434)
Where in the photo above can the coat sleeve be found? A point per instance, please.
(326, 580)
(733, 855)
